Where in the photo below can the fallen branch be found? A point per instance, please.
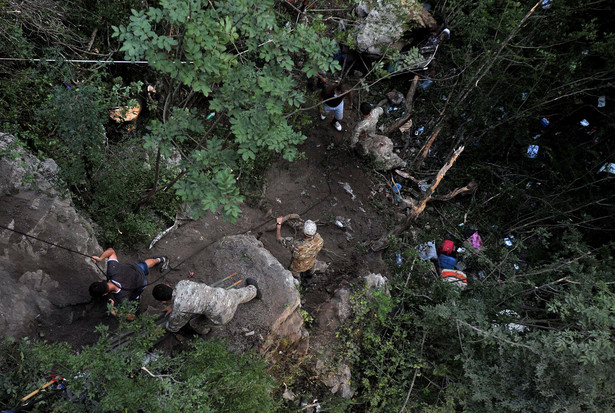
(409, 102)
(416, 205)
(471, 187)
(416, 211)
(425, 149)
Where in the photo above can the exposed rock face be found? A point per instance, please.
(39, 282)
(331, 315)
(386, 23)
(259, 324)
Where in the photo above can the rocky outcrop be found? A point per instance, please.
(261, 324)
(40, 282)
(334, 373)
(386, 23)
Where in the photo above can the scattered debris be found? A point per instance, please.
(348, 188)
(532, 151)
(455, 277)
(584, 123)
(602, 101)
(396, 191)
(546, 4)
(446, 261)
(513, 327)
(424, 186)
(376, 282)
(406, 126)
(475, 241)
(509, 240)
(343, 222)
(288, 395)
(448, 247)
(608, 167)
(427, 251)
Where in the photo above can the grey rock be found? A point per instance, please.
(40, 282)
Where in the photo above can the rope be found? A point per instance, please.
(174, 268)
(52, 244)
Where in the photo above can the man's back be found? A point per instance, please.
(305, 252)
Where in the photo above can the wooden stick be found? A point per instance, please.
(234, 285)
(38, 390)
(409, 103)
(425, 149)
(416, 211)
(217, 283)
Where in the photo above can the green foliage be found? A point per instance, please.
(239, 56)
(463, 350)
(207, 377)
(77, 116)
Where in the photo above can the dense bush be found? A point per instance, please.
(206, 377)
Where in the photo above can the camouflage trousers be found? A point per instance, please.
(223, 309)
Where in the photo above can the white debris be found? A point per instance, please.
(509, 240)
(602, 101)
(427, 251)
(608, 167)
(584, 122)
(348, 188)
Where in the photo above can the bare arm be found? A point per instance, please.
(278, 228)
(109, 253)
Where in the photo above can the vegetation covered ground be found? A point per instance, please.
(428, 346)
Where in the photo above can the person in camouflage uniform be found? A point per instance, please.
(380, 146)
(304, 251)
(202, 306)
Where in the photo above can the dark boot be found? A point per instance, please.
(252, 281)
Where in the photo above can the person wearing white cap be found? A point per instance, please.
(304, 251)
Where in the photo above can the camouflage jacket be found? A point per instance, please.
(304, 251)
(366, 125)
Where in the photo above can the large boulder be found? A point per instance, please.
(274, 318)
(387, 22)
(43, 276)
(268, 325)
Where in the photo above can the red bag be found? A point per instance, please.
(447, 247)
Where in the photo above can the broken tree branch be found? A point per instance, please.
(425, 149)
(417, 205)
(409, 102)
(470, 187)
(416, 211)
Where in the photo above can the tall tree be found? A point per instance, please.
(243, 60)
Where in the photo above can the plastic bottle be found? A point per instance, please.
(398, 259)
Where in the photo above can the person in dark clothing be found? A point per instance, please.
(333, 101)
(125, 282)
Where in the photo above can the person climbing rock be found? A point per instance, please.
(365, 139)
(333, 101)
(202, 306)
(125, 282)
(304, 251)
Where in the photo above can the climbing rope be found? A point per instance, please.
(52, 244)
(173, 268)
